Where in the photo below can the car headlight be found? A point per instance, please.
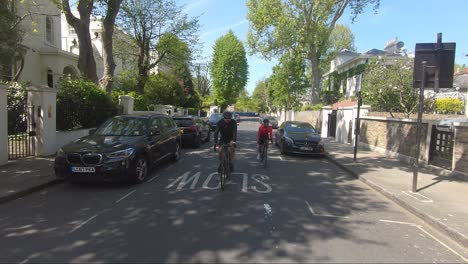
(289, 141)
(121, 153)
(60, 153)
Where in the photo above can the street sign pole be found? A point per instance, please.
(418, 128)
(357, 125)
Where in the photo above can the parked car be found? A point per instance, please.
(213, 120)
(193, 130)
(299, 137)
(123, 147)
(237, 118)
(273, 121)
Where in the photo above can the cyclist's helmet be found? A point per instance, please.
(227, 115)
(266, 121)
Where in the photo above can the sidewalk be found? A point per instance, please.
(23, 176)
(441, 201)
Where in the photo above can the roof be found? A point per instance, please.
(143, 115)
(346, 103)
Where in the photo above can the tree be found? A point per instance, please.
(304, 25)
(160, 29)
(86, 62)
(245, 102)
(388, 86)
(341, 38)
(263, 96)
(289, 80)
(164, 89)
(108, 25)
(229, 69)
(202, 82)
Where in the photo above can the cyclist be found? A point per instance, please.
(264, 132)
(228, 129)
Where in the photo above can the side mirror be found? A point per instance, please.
(92, 131)
(155, 132)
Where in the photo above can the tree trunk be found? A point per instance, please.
(142, 71)
(316, 77)
(86, 62)
(113, 7)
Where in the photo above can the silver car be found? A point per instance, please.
(273, 121)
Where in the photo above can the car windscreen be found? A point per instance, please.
(302, 127)
(271, 118)
(183, 122)
(123, 127)
(215, 117)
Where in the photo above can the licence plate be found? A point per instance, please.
(83, 169)
(307, 148)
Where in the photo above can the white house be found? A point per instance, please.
(347, 60)
(45, 61)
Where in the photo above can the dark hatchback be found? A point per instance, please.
(213, 120)
(299, 137)
(194, 130)
(123, 147)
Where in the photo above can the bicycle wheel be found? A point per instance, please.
(265, 156)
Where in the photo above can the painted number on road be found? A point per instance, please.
(211, 182)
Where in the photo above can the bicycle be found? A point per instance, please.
(264, 154)
(225, 164)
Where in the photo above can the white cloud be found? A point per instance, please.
(195, 4)
(222, 29)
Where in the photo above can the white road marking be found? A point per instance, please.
(397, 222)
(427, 233)
(281, 158)
(323, 215)
(125, 196)
(443, 244)
(155, 176)
(417, 196)
(83, 223)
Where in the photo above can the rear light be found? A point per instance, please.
(193, 128)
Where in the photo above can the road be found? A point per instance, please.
(299, 209)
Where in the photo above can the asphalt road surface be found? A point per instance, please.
(299, 209)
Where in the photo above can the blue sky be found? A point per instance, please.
(412, 21)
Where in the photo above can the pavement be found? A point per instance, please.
(441, 201)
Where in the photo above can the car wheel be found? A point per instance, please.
(282, 149)
(207, 139)
(140, 171)
(198, 141)
(176, 155)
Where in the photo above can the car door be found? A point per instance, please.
(171, 135)
(155, 142)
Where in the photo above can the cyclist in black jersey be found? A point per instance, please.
(227, 127)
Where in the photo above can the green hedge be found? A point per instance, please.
(83, 104)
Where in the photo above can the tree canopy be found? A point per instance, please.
(229, 69)
(388, 86)
(276, 26)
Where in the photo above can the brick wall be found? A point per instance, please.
(461, 149)
(394, 135)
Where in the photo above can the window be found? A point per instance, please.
(71, 30)
(50, 29)
(50, 78)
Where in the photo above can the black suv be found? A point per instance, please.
(193, 129)
(123, 147)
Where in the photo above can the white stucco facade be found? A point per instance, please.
(45, 61)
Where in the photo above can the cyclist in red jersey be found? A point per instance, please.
(265, 132)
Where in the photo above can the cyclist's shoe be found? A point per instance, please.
(231, 167)
(220, 168)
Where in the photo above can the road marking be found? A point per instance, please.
(125, 196)
(323, 215)
(83, 223)
(397, 222)
(154, 177)
(427, 233)
(415, 196)
(443, 244)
